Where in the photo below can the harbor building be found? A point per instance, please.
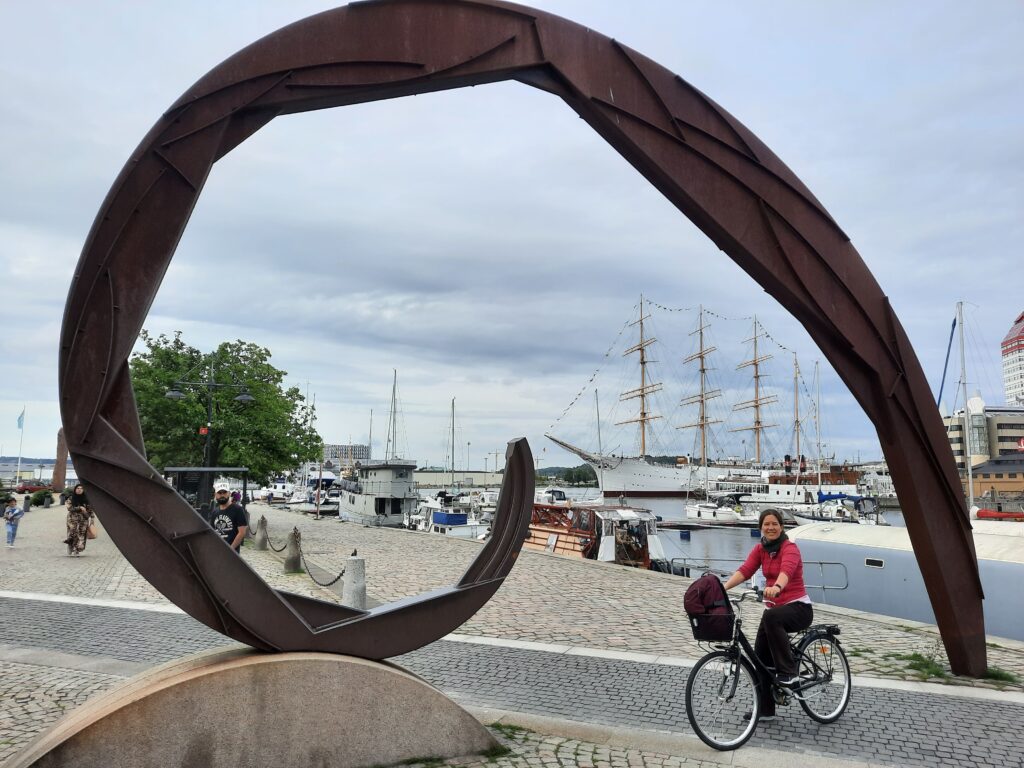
(1013, 362)
(996, 444)
(347, 454)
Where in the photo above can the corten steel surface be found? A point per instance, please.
(701, 158)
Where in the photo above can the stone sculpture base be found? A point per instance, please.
(245, 708)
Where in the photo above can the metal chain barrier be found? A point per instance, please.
(302, 556)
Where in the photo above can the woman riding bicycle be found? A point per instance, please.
(789, 608)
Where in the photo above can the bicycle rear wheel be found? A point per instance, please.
(825, 687)
(721, 700)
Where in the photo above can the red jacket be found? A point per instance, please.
(786, 560)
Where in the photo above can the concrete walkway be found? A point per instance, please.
(591, 659)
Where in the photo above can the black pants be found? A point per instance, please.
(772, 644)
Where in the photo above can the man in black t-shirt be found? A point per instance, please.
(228, 518)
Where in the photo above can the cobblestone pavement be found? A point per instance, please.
(547, 599)
(881, 726)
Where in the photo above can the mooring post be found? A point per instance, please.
(292, 557)
(353, 592)
(262, 539)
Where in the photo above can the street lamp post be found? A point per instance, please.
(208, 386)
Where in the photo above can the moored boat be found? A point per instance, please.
(874, 568)
(607, 533)
(383, 493)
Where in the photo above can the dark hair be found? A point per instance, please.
(765, 512)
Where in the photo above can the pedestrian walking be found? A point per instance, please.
(12, 514)
(80, 516)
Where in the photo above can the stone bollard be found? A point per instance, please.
(262, 542)
(292, 558)
(353, 591)
(48, 500)
(26, 504)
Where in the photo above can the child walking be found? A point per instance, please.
(12, 514)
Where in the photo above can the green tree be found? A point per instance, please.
(271, 435)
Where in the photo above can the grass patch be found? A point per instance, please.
(858, 652)
(995, 673)
(924, 665)
(508, 730)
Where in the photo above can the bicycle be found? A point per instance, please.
(722, 701)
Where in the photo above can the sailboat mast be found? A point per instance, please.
(600, 450)
(453, 442)
(645, 389)
(967, 414)
(796, 404)
(393, 420)
(369, 442)
(817, 416)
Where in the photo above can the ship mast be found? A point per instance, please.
(796, 404)
(391, 447)
(817, 417)
(967, 413)
(644, 389)
(705, 394)
(758, 400)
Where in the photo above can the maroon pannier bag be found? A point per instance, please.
(708, 608)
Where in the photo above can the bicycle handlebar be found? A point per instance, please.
(754, 593)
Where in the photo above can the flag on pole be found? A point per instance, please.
(21, 419)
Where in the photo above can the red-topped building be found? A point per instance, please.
(1013, 362)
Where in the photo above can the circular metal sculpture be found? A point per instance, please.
(701, 158)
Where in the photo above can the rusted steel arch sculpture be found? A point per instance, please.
(701, 158)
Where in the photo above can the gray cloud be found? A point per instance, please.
(486, 243)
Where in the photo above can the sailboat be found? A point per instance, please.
(383, 492)
(449, 513)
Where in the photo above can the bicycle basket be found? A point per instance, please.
(708, 608)
(712, 626)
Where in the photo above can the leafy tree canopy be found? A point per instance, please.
(271, 435)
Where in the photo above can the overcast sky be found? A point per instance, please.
(486, 243)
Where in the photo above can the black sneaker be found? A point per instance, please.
(789, 681)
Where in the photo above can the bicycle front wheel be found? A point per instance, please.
(825, 679)
(721, 700)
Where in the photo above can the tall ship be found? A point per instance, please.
(623, 477)
(638, 476)
(383, 492)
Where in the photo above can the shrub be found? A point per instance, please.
(38, 496)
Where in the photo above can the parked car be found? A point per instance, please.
(31, 486)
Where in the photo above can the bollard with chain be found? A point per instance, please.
(292, 555)
(353, 592)
(262, 538)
